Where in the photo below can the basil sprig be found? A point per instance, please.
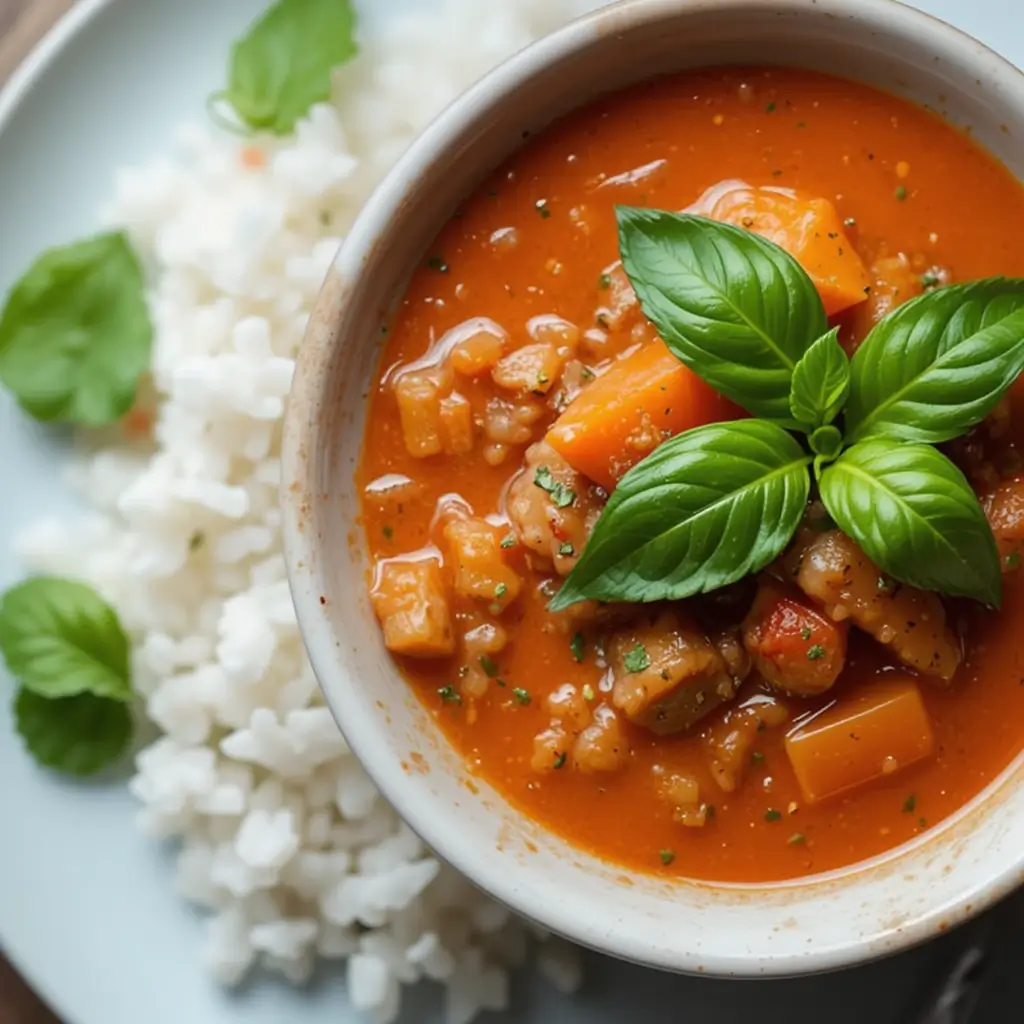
(283, 64)
(722, 501)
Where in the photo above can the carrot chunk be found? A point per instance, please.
(807, 227)
(630, 409)
(881, 729)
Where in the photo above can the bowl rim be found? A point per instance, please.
(894, 19)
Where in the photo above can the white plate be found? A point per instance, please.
(86, 905)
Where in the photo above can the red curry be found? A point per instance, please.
(475, 505)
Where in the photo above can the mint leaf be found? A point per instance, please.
(821, 382)
(75, 333)
(734, 307)
(915, 516)
(60, 638)
(703, 510)
(935, 366)
(282, 66)
(77, 735)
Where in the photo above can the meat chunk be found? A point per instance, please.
(833, 571)
(1004, 507)
(667, 675)
(552, 509)
(410, 600)
(793, 646)
(730, 740)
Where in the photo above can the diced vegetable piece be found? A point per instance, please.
(419, 408)
(882, 728)
(630, 409)
(456, 416)
(478, 353)
(479, 645)
(682, 793)
(478, 562)
(1004, 507)
(807, 227)
(833, 571)
(531, 368)
(794, 647)
(602, 745)
(666, 675)
(730, 739)
(410, 600)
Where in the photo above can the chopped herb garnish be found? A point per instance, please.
(770, 108)
(797, 839)
(509, 540)
(637, 659)
(566, 549)
(1012, 560)
(757, 757)
(521, 695)
(910, 804)
(772, 815)
(542, 208)
(901, 192)
(388, 532)
(449, 694)
(501, 590)
(603, 321)
(930, 280)
(815, 651)
(667, 856)
(438, 264)
(542, 378)
(805, 633)
(576, 645)
(588, 693)
(604, 282)
(489, 665)
(881, 583)
(559, 759)
(586, 374)
(709, 811)
(561, 495)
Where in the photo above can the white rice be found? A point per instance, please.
(282, 836)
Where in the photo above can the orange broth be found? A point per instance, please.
(904, 182)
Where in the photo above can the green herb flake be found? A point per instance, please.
(815, 652)
(901, 192)
(559, 759)
(772, 814)
(449, 694)
(501, 590)
(588, 693)
(666, 857)
(637, 659)
(489, 665)
(388, 532)
(521, 695)
(561, 495)
(578, 647)
(75, 333)
(805, 633)
(929, 279)
(770, 108)
(797, 839)
(509, 540)
(604, 282)
(757, 757)
(283, 64)
(910, 804)
(1012, 560)
(566, 549)
(438, 264)
(542, 208)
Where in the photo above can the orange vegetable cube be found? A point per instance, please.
(410, 600)
(879, 730)
(808, 228)
(629, 410)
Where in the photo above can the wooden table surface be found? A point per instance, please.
(22, 23)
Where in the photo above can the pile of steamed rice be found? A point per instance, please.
(283, 838)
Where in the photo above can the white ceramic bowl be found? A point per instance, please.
(820, 923)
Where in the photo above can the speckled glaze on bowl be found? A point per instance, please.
(817, 924)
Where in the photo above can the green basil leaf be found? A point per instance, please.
(75, 333)
(704, 509)
(915, 516)
(821, 382)
(734, 307)
(60, 638)
(283, 65)
(77, 735)
(936, 365)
